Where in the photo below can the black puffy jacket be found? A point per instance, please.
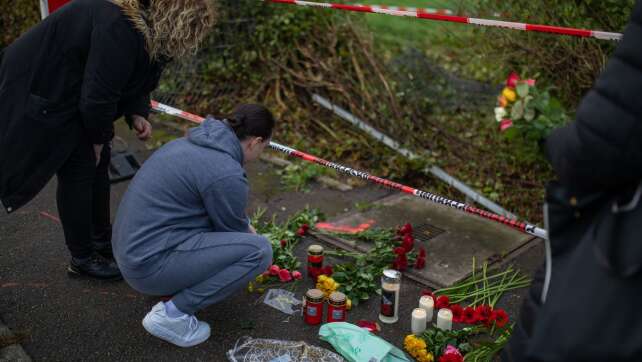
(68, 78)
(602, 149)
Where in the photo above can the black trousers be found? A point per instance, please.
(83, 199)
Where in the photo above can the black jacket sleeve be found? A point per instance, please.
(602, 148)
(112, 59)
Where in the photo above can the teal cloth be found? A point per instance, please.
(359, 345)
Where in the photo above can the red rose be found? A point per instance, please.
(426, 292)
(420, 263)
(422, 252)
(458, 312)
(469, 316)
(274, 270)
(284, 243)
(301, 231)
(500, 317)
(405, 230)
(483, 313)
(284, 275)
(399, 250)
(451, 357)
(327, 270)
(305, 227)
(297, 275)
(442, 302)
(505, 124)
(512, 80)
(401, 262)
(408, 242)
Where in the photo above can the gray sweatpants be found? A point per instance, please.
(207, 268)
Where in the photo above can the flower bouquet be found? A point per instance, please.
(527, 114)
(284, 238)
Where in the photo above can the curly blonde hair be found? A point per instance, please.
(172, 28)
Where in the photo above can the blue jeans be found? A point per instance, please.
(206, 269)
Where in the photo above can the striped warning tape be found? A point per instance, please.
(603, 35)
(519, 225)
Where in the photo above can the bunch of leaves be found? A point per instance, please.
(359, 278)
(485, 351)
(485, 288)
(285, 236)
(297, 176)
(533, 114)
(371, 235)
(437, 339)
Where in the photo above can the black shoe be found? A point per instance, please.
(95, 267)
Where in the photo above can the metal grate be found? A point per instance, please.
(426, 232)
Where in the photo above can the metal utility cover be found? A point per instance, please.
(451, 237)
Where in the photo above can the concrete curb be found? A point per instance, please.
(13, 352)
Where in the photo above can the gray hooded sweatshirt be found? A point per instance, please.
(190, 186)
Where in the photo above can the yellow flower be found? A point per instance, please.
(322, 278)
(260, 279)
(250, 287)
(348, 304)
(509, 94)
(422, 354)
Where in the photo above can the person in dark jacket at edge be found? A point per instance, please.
(588, 312)
(63, 84)
(182, 229)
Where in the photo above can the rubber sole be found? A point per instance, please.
(77, 273)
(165, 335)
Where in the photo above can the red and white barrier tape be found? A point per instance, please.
(603, 35)
(412, 9)
(519, 225)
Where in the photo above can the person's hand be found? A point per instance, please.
(252, 230)
(98, 149)
(143, 127)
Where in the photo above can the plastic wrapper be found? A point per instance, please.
(248, 349)
(282, 300)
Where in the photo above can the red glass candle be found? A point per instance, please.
(337, 307)
(315, 261)
(313, 309)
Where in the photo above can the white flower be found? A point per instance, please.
(500, 113)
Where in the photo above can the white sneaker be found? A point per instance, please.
(185, 331)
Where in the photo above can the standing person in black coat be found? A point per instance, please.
(63, 84)
(587, 308)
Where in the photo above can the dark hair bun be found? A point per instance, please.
(251, 120)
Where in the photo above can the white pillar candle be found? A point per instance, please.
(418, 323)
(428, 304)
(445, 319)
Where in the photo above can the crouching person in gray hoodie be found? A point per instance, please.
(181, 228)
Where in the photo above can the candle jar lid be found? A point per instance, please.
(337, 298)
(391, 276)
(314, 295)
(315, 249)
